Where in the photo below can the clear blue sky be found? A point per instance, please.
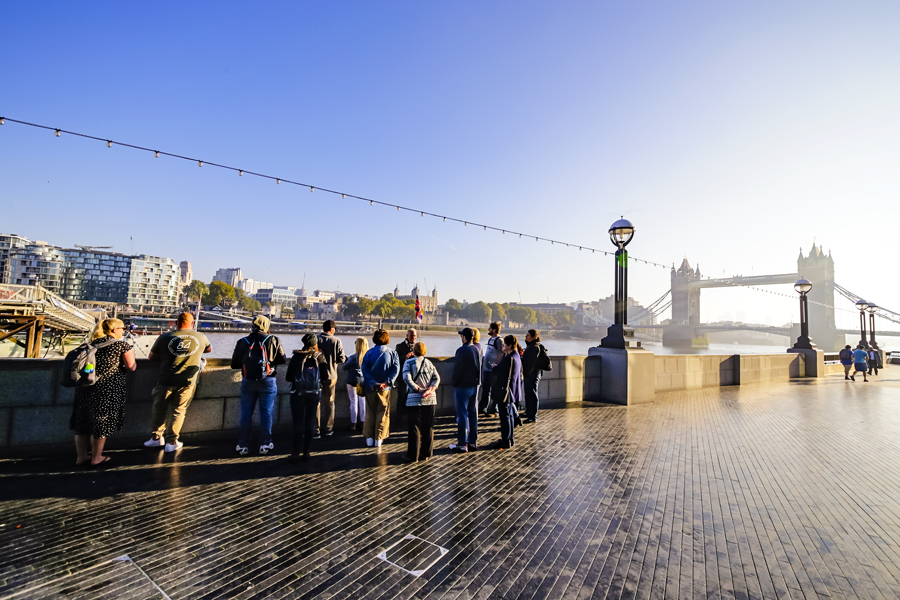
(730, 133)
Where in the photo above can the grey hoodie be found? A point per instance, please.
(333, 351)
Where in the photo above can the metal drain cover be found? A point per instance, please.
(412, 554)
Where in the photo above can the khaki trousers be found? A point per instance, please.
(170, 404)
(378, 414)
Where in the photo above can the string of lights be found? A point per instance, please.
(782, 294)
(344, 195)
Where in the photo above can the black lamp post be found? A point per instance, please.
(804, 342)
(862, 305)
(620, 233)
(872, 308)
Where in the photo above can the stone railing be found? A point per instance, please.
(35, 409)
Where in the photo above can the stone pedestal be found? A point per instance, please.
(627, 375)
(814, 359)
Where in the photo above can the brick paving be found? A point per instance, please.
(764, 491)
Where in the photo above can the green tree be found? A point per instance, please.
(545, 319)
(383, 309)
(478, 311)
(195, 290)
(498, 312)
(522, 314)
(351, 309)
(565, 318)
(404, 312)
(366, 306)
(219, 291)
(388, 297)
(249, 304)
(453, 307)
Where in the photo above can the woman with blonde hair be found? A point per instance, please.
(354, 384)
(99, 409)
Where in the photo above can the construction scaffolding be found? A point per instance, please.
(28, 313)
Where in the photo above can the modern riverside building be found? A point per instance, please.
(283, 296)
(231, 276)
(78, 274)
(8, 242)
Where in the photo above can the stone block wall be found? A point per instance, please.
(35, 409)
(759, 368)
(685, 372)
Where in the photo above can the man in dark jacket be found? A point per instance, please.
(531, 371)
(257, 356)
(466, 377)
(404, 351)
(333, 351)
(305, 394)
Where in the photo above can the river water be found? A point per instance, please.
(440, 344)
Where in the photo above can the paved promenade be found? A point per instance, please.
(762, 491)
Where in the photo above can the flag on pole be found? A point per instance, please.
(418, 310)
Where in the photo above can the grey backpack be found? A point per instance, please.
(80, 368)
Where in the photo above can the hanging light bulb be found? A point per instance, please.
(465, 224)
(342, 196)
(398, 209)
(277, 181)
(241, 172)
(199, 163)
(370, 203)
(108, 144)
(520, 235)
(504, 232)
(2, 121)
(57, 133)
(156, 154)
(485, 227)
(421, 214)
(445, 219)
(312, 189)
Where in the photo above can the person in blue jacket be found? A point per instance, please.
(380, 368)
(860, 363)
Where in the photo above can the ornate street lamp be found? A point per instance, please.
(620, 233)
(862, 305)
(804, 342)
(872, 308)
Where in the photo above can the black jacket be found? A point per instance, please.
(531, 364)
(403, 349)
(272, 346)
(467, 367)
(296, 366)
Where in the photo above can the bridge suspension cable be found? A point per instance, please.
(344, 195)
(880, 311)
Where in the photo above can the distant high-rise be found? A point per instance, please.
(8, 243)
(186, 273)
(231, 276)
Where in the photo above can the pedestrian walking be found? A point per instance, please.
(333, 350)
(874, 356)
(860, 363)
(308, 375)
(535, 361)
(404, 352)
(180, 355)
(846, 356)
(466, 376)
(380, 368)
(353, 369)
(422, 381)
(99, 409)
(507, 390)
(257, 356)
(493, 351)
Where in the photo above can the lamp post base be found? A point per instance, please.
(804, 343)
(619, 337)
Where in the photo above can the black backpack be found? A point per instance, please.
(256, 360)
(309, 380)
(543, 362)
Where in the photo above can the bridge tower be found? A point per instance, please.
(818, 268)
(685, 299)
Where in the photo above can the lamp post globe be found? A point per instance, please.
(862, 305)
(802, 286)
(621, 232)
(871, 308)
(804, 342)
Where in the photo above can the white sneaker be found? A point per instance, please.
(154, 443)
(174, 447)
(378, 443)
(370, 442)
(265, 449)
(242, 450)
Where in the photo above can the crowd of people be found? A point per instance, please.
(862, 360)
(490, 380)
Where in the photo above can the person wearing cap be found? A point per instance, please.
(380, 368)
(331, 347)
(308, 374)
(179, 354)
(257, 355)
(466, 378)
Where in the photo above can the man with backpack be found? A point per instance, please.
(535, 361)
(308, 375)
(333, 351)
(257, 356)
(179, 354)
(493, 352)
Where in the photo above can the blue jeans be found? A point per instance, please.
(531, 396)
(265, 391)
(466, 400)
(507, 413)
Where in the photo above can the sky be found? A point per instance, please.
(730, 134)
